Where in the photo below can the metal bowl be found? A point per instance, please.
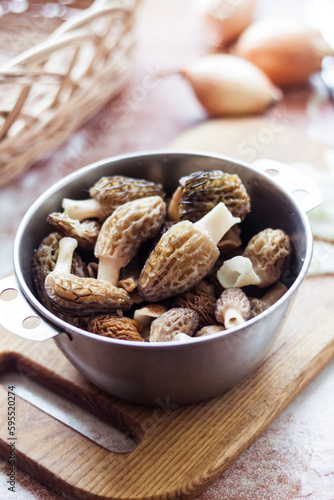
(172, 371)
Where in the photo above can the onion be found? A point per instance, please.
(287, 50)
(226, 19)
(226, 84)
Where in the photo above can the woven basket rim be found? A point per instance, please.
(14, 148)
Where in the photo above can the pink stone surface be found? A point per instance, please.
(294, 457)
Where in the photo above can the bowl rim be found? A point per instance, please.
(195, 341)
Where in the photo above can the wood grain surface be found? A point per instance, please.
(181, 449)
(248, 139)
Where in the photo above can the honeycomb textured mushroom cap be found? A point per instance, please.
(128, 227)
(111, 192)
(115, 327)
(44, 262)
(258, 305)
(85, 232)
(45, 259)
(233, 307)
(267, 251)
(181, 258)
(172, 322)
(145, 315)
(78, 296)
(201, 302)
(201, 191)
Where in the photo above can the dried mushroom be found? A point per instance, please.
(108, 194)
(115, 327)
(201, 191)
(201, 302)
(129, 284)
(209, 330)
(173, 206)
(145, 315)
(207, 287)
(85, 232)
(258, 305)
(184, 255)
(188, 274)
(124, 231)
(173, 322)
(267, 251)
(230, 242)
(44, 263)
(77, 296)
(182, 337)
(233, 307)
(237, 272)
(45, 260)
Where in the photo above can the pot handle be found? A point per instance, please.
(303, 189)
(17, 316)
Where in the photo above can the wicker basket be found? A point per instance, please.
(51, 88)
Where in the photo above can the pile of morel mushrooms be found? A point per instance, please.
(128, 264)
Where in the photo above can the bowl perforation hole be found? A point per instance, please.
(31, 322)
(300, 194)
(9, 294)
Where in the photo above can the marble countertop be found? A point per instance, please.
(294, 457)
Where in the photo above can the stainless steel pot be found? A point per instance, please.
(171, 371)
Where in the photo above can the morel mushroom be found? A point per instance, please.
(184, 255)
(233, 307)
(45, 260)
(182, 337)
(268, 299)
(267, 251)
(231, 242)
(209, 330)
(201, 302)
(129, 284)
(115, 327)
(108, 194)
(173, 322)
(201, 191)
(77, 296)
(124, 231)
(85, 232)
(207, 287)
(237, 272)
(145, 315)
(44, 263)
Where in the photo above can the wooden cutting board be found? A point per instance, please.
(271, 136)
(181, 449)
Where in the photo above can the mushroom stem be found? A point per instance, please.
(81, 209)
(124, 231)
(67, 246)
(237, 272)
(109, 269)
(217, 222)
(233, 318)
